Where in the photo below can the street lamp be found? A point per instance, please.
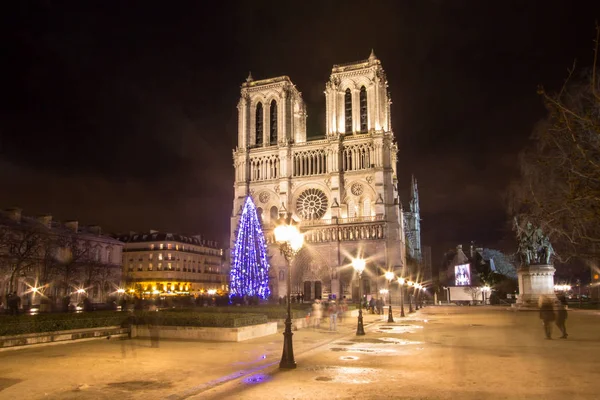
(401, 282)
(418, 288)
(389, 275)
(359, 266)
(410, 285)
(290, 242)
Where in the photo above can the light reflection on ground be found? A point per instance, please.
(258, 378)
(398, 329)
(352, 375)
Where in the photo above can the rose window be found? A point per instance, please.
(311, 204)
(357, 189)
(264, 197)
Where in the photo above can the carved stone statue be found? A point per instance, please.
(534, 246)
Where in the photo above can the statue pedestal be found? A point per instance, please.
(535, 280)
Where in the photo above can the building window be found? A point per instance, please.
(169, 266)
(109, 256)
(150, 267)
(176, 247)
(169, 246)
(162, 246)
(159, 267)
(130, 267)
(274, 214)
(150, 256)
(348, 110)
(363, 109)
(177, 267)
(273, 114)
(139, 266)
(160, 257)
(259, 124)
(169, 256)
(152, 247)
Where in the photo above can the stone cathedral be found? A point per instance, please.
(342, 188)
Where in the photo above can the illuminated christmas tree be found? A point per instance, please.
(249, 263)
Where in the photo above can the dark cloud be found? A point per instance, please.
(124, 114)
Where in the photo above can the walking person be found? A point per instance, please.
(561, 316)
(547, 314)
(333, 312)
(343, 307)
(317, 314)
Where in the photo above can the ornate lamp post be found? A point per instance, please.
(359, 266)
(418, 288)
(401, 282)
(389, 275)
(290, 242)
(410, 285)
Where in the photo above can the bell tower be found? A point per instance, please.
(357, 99)
(270, 112)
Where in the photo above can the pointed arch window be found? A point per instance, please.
(348, 110)
(363, 110)
(259, 124)
(274, 214)
(273, 130)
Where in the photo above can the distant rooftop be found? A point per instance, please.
(155, 236)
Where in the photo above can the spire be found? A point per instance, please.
(249, 78)
(414, 195)
(372, 56)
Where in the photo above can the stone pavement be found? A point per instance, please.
(436, 353)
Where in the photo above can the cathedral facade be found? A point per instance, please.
(341, 189)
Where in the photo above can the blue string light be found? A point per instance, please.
(249, 274)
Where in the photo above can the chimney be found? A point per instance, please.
(46, 220)
(14, 213)
(72, 225)
(95, 229)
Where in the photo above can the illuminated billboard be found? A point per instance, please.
(462, 275)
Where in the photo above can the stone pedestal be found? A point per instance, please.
(534, 281)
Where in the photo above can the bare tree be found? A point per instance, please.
(75, 256)
(559, 189)
(23, 246)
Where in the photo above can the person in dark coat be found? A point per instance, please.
(547, 314)
(561, 316)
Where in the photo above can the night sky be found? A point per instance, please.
(123, 114)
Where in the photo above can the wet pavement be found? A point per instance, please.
(436, 353)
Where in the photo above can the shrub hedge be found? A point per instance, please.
(57, 322)
(193, 318)
(271, 312)
(22, 324)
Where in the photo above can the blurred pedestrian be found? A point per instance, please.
(333, 313)
(372, 305)
(547, 314)
(561, 316)
(317, 314)
(343, 307)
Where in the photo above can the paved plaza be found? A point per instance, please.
(436, 353)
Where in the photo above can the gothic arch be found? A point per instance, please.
(273, 119)
(310, 265)
(259, 124)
